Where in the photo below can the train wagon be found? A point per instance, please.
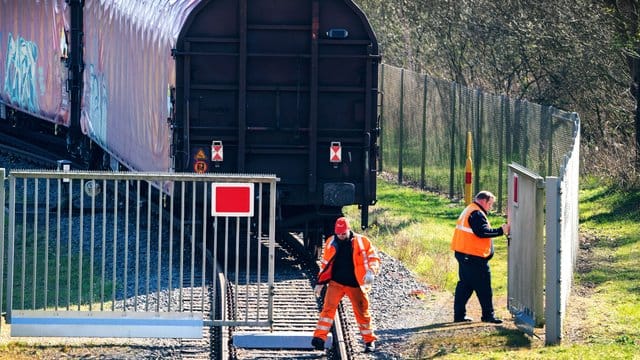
(34, 50)
(286, 87)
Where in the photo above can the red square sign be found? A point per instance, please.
(232, 199)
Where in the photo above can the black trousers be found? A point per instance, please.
(474, 275)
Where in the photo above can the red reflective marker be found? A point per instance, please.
(231, 199)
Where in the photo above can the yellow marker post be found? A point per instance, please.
(467, 173)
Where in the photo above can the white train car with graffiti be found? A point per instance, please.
(33, 70)
(113, 90)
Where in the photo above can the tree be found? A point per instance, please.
(577, 56)
(625, 13)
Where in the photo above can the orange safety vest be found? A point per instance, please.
(365, 256)
(464, 240)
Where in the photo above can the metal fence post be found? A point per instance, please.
(401, 127)
(452, 157)
(502, 146)
(553, 310)
(477, 149)
(2, 195)
(10, 239)
(381, 125)
(423, 149)
(549, 113)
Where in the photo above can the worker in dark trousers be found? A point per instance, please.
(473, 246)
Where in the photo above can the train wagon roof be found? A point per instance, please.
(160, 19)
(128, 75)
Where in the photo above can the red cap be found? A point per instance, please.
(342, 225)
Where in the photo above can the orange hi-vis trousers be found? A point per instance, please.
(359, 301)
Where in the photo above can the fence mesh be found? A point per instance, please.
(425, 122)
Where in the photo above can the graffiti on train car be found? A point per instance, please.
(21, 75)
(99, 99)
(64, 47)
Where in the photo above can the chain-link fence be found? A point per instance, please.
(425, 122)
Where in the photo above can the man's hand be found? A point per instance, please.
(369, 277)
(318, 290)
(505, 229)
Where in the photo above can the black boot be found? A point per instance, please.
(491, 319)
(370, 347)
(462, 319)
(317, 343)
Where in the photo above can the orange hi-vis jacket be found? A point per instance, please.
(464, 240)
(365, 256)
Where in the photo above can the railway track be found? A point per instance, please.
(295, 311)
(211, 345)
(34, 148)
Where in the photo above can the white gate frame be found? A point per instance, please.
(128, 266)
(525, 261)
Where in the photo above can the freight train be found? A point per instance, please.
(285, 87)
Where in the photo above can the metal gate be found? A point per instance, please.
(101, 254)
(525, 286)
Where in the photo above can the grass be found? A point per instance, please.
(415, 227)
(603, 312)
(396, 229)
(30, 285)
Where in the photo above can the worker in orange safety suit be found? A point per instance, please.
(348, 267)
